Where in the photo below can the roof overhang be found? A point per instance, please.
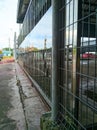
(21, 10)
(89, 21)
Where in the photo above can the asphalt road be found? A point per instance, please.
(11, 114)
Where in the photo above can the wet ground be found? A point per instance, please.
(7, 82)
(20, 105)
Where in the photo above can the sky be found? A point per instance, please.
(42, 30)
(8, 25)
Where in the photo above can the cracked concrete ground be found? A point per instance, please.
(20, 105)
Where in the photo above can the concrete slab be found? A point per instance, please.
(33, 105)
(20, 105)
(11, 111)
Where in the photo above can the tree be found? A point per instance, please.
(7, 49)
(0, 51)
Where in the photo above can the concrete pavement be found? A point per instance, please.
(20, 105)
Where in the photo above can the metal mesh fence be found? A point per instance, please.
(78, 86)
(77, 67)
(38, 65)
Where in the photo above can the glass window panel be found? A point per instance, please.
(67, 36)
(75, 10)
(75, 35)
(71, 12)
(71, 35)
(67, 15)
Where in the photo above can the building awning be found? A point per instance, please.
(89, 7)
(21, 10)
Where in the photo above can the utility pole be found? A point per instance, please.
(15, 49)
(45, 40)
(9, 43)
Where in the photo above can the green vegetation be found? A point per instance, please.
(47, 124)
(8, 49)
(0, 51)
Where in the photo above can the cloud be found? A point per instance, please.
(2, 5)
(41, 31)
(7, 22)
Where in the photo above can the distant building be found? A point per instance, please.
(7, 53)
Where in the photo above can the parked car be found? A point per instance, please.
(89, 55)
(1, 57)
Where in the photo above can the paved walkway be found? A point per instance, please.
(20, 105)
(33, 105)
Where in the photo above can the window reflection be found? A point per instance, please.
(42, 31)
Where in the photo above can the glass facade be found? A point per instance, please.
(34, 13)
(38, 37)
